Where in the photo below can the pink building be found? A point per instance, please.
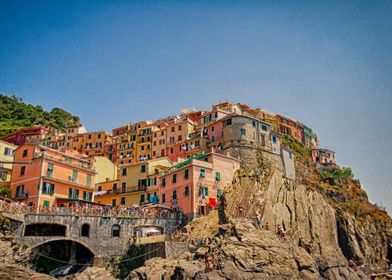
(324, 157)
(195, 184)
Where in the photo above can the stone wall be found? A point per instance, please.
(100, 240)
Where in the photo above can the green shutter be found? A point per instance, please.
(218, 192)
(84, 195)
(75, 174)
(206, 191)
(77, 194)
(88, 180)
(52, 189)
(46, 203)
(90, 198)
(69, 193)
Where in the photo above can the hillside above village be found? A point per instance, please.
(16, 114)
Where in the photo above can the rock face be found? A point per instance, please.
(333, 217)
(245, 252)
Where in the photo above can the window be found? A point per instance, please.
(25, 153)
(163, 182)
(116, 231)
(123, 186)
(142, 198)
(228, 122)
(88, 180)
(124, 172)
(122, 201)
(179, 137)
(89, 137)
(171, 150)
(163, 198)
(46, 203)
(264, 127)
(254, 123)
(114, 187)
(73, 193)
(212, 128)
(142, 148)
(174, 194)
(217, 176)
(49, 172)
(173, 129)
(186, 191)
(99, 136)
(74, 174)
(242, 131)
(186, 173)
(174, 178)
(8, 151)
(219, 192)
(22, 170)
(85, 232)
(212, 138)
(203, 191)
(274, 139)
(162, 133)
(180, 127)
(202, 172)
(87, 196)
(99, 188)
(143, 168)
(47, 188)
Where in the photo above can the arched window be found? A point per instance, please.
(85, 230)
(116, 231)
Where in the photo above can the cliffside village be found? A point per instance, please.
(181, 162)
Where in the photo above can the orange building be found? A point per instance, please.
(62, 178)
(91, 143)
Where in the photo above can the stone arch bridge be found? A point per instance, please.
(104, 236)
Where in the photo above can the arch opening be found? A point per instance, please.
(116, 231)
(85, 231)
(61, 257)
(42, 229)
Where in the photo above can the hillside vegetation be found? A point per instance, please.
(16, 114)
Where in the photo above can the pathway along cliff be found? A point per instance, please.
(331, 230)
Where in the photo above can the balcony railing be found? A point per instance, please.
(21, 195)
(91, 211)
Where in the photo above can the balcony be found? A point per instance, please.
(21, 195)
(73, 180)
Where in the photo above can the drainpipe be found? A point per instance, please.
(40, 181)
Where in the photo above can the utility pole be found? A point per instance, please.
(40, 181)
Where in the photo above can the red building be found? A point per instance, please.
(28, 135)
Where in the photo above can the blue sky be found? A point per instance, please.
(327, 64)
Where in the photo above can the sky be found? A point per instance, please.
(325, 63)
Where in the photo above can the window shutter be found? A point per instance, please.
(69, 193)
(206, 191)
(84, 195)
(52, 189)
(77, 194)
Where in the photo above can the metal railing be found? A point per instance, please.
(94, 211)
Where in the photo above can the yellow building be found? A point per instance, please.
(7, 155)
(106, 169)
(136, 181)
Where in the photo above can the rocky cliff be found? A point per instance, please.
(330, 214)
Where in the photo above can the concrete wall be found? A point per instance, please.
(288, 162)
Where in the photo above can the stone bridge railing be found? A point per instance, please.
(144, 213)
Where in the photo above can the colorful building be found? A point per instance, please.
(35, 134)
(91, 143)
(194, 185)
(50, 177)
(324, 157)
(137, 183)
(6, 155)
